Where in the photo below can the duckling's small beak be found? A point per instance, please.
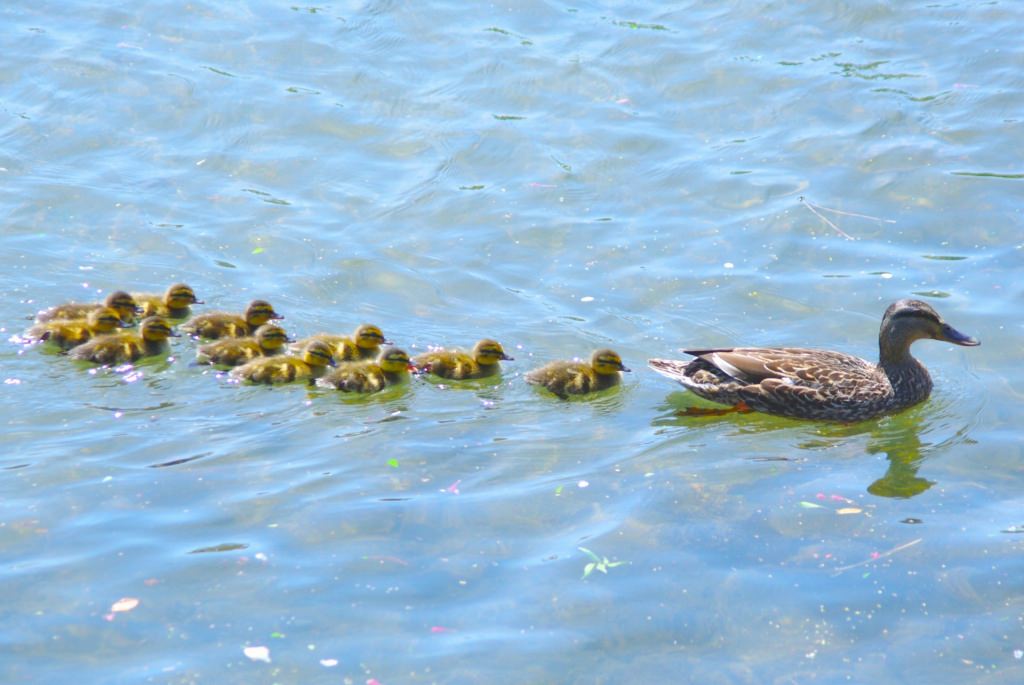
(622, 367)
(507, 358)
(138, 309)
(195, 301)
(950, 334)
(125, 324)
(277, 316)
(173, 334)
(332, 362)
(385, 341)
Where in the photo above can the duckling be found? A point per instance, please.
(391, 368)
(122, 348)
(286, 368)
(69, 333)
(457, 365)
(119, 300)
(174, 303)
(576, 377)
(363, 344)
(215, 325)
(268, 340)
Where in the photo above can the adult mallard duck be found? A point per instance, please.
(391, 368)
(121, 348)
(287, 368)
(364, 343)
(820, 384)
(69, 333)
(215, 325)
(457, 365)
(268, 340)
(119, 300)
(576, 377)
(173, 303)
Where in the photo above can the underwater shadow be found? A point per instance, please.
(907, 439)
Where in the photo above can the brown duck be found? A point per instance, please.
(821, 384)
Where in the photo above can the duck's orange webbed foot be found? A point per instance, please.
(741, 407)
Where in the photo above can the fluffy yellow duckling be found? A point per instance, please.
(121, 348)
(268, 340)
(391, 368)
(577, 377)
(364, 343)
(174, 303)
(287, 368)
(119, 300)
(457, 365)
(69, 333)
(227, 325)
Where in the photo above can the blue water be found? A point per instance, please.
(560, 177)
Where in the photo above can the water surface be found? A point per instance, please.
(559, 177)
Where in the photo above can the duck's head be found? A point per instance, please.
(487, 352)
(179, 296)
(318, 354)
(908, 320)
(271, 337)
(259, 312)
(156, 329)
(394, 360)
(124, 304)
(105, 320)
(369, 337)
(607, 362)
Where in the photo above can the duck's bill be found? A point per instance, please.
(950, 334)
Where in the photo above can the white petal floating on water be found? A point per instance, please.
(257, 653)
(124, 604)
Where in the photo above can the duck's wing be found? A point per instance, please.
(790, 365)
